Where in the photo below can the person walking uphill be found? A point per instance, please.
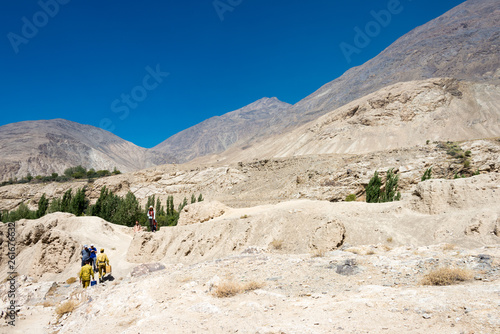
(152, 218)
(86, 273)
(102, 261)
(85, 254)
(93, 255)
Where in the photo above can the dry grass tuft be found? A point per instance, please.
(253, 285)
(230, 288)
(71, 280)
(354, 251)
(277, 243)
(449, 246)
(318, 252)
(66, 307)
(447, 276)
(244, 217)
(47, 304)
(386, 248)
(227, 289)
(370, 252)
(389, 239)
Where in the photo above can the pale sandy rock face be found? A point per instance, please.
(402, 115)
(439, 196)
(201, 212)
(284, 227)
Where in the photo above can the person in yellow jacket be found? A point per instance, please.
(102, 261)
(86, 273)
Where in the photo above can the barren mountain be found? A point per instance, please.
(218, 133)
(402, 115)
(463, 43)
(48, 146)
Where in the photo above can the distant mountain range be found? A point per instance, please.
(219, 133)
(463, 44)
(50, 146)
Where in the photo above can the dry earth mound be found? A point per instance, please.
(201, 212)
(283, 226)
(49, 248)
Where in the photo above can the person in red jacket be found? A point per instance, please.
(152, 218)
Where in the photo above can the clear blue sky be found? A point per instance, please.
(79, 60)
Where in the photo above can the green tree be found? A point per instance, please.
(129, 210)
(373, 189)
(182, 205)
(55, 205)
(427, 174)
(43, 205)
(66, 201)
(170, 205)
(391, 187)
(200, 198)
(79, 202)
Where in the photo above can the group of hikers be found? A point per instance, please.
(91, 263)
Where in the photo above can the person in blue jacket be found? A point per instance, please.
(93, 256)
(85, 254)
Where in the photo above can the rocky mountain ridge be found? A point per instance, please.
(50, 146)
(219, 133)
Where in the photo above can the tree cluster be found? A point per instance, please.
(378, 193)
(110, 207)
(71, 173)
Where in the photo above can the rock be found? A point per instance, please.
(348, 268)
(201, 212)
(144, 269)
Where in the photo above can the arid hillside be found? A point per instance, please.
(50, 146)
(301, 266)
(403, 115)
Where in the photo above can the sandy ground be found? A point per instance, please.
(316, 266)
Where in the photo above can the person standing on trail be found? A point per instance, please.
(93, 255)
(151, 217)
(85, 254)
(102, 261)
(86, 273)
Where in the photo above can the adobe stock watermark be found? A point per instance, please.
(373, 28)
(223, 6)
(12, 308)
(121, 106)
(30, 28)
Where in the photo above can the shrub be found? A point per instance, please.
(230, 288)
(71, 280)
(277, 243)
(427, 174)
(375, 195)
(66, 307)
(447, 276)
(318, 252)
(350, 198)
